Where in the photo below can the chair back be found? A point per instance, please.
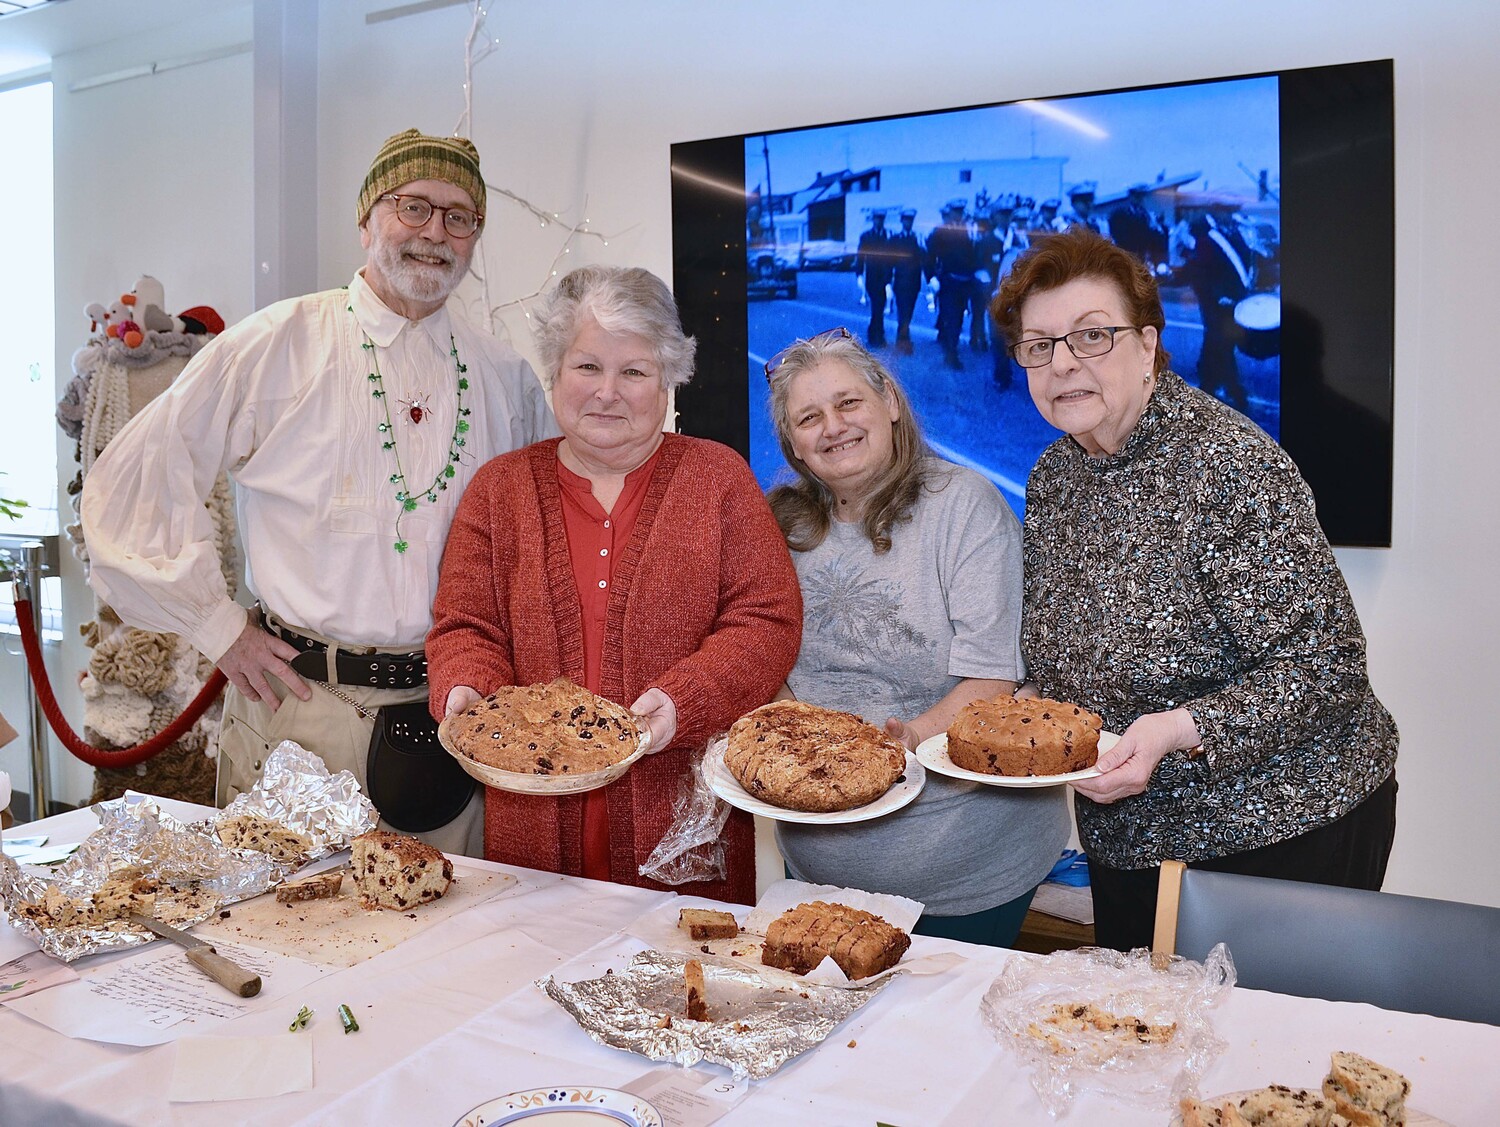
(1318, 941)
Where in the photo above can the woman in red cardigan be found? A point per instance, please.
(645, 566)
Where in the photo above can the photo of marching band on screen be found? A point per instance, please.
(900, 230)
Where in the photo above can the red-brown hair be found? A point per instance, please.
(1078, 252)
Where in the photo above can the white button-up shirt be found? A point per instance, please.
(283, 402)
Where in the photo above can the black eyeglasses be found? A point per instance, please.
(1096, 340)
(827, 336)
(414, 211)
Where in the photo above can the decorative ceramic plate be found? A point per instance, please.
(933, 752)
(559, 1106)
(522, 783)
(723, 783)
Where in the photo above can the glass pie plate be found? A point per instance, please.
(521, 782)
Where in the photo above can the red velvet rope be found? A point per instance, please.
(96, 756)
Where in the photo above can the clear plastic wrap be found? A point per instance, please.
(692, 848)
(1098, 1020)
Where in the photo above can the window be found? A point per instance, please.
(28, 384)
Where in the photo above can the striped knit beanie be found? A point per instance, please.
(412, 156)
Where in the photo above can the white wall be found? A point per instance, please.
(582, 101)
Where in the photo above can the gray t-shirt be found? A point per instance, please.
(890, 635)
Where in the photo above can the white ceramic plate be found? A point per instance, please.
(727, 787)
(562, 1105)
(522, 783)
(1414, 1118)
(933, 752)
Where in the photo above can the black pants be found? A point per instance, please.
(907, 290)
(1351, 852)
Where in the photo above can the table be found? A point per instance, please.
(454, 1019)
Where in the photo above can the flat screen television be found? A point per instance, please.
(1280, 184)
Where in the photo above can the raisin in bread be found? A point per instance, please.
(861, 943)
(398, 872)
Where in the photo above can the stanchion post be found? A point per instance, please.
(27, 578)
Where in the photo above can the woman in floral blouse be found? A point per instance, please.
(1177, 582)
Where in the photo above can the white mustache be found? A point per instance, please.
(429, 250)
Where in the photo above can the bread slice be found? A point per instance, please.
(1198, 1114)
(1366, 1093)
(263, 835)
(705, 923)
(396, 871)
(697, 991)
(1281, 1106)
(323, 886)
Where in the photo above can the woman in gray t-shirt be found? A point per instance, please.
(911, 588)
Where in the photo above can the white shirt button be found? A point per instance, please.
(604, 551)
(606, 524)
(602, 583)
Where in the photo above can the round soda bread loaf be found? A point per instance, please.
(802, 757)
(1010, 736)
(554, 729)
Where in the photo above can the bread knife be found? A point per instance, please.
(227, 973)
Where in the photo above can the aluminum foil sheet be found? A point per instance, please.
(198, 873)
(754, 1026)
(296, 790)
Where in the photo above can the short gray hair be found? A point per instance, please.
(620, 299)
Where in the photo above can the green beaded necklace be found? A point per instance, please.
(405, 496)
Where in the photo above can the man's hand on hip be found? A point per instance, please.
(255, 657)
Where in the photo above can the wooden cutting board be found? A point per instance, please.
(338, 932)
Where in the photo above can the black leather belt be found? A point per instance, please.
(354, 665)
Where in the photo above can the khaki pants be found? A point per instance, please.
(334, 731)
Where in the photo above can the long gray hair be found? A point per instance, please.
(620, 299)
(804, 508)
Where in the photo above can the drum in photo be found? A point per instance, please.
(1259, 320)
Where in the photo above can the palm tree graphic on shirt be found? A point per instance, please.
(858, 614)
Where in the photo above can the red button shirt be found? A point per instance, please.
(594, 539)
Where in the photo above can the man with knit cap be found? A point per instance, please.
(349, 421)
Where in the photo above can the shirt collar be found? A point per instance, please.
(383, 325)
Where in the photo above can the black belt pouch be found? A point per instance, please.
(414, 783)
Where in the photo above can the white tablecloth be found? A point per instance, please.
(450, 1018)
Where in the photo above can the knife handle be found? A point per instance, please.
(228, 974)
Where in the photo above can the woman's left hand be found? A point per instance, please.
(657, 712)
(1126, 768)
(901, 730)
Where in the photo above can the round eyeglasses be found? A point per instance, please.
(1096, 340)
(415, 211)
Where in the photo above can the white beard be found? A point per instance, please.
(415, 281)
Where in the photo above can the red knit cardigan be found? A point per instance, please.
(705, 607)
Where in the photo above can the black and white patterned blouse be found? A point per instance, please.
(1189, 570)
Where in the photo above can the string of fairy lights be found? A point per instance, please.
(478, 46)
